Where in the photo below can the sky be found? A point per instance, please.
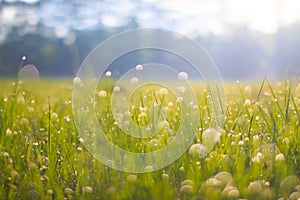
(194, 17)
(265, 16)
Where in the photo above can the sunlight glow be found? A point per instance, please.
(192, 17)
(214, 16)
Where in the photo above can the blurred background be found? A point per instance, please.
(246, 39)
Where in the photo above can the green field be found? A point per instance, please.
(256, 157)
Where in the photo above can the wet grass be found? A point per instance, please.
(256, 157)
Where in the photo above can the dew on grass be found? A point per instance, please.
(139, 67)
(289, 183)
(213, 182)
(187, 189)
(87, 190)
(134, 80)
(198, 150)
(183, 76)
(142, 109)
(142, 115)
(8, 132)
(241, 143)
(224, 176)
(14, 174)
(76, 80)
(163, 91)
(255, 138)
(279, 157)
(254, 188)
(297, 188)
(49, 192)
(165, 176)
(256, 159)
(30, 109)
(108, 74)
(164, 124)
(247, 102)
(54, 116)
(29, 73)
(230, 191)
(294, 196)
(68, 191)
(67, 118)
(102, 94)
(5, 154)
(21, 100)
(155, 143)
(131, 178)
(148, 168)
(181, 169)
(179, 99)
(248, 90)
(195, 107)
(210, 137)
(286, 141)
(170, 104)
(117, 89)
(111, 190)
(234, 194)
(24, 121)
(181, 89)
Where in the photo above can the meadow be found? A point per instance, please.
(257, 155)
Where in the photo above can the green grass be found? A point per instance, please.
(256, 157)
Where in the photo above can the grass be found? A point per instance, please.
(256, 157)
